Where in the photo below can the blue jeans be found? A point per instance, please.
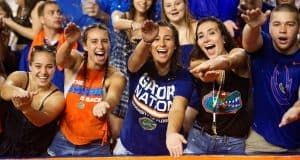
(200, 142)
(120, 149)
(62, 147)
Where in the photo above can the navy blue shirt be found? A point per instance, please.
(276, 79)
(145, 124)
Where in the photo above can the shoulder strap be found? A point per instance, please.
(42, 104)
(27, 83)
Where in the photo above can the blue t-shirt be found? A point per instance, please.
(276, 78)
(145, 124)
(222, 9)
(72, 10)
(185, 55)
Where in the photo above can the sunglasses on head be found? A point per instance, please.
(44, 47)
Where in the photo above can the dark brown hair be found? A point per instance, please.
(85, 55)
(175, 59)
(43, 48)
(6, 8)
(42, 7)
(197, 53)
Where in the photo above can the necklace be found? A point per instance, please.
(215, 101)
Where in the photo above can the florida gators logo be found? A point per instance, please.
(281, 85)
(226, 103)
(147, 123)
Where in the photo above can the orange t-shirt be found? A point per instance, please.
(78, 123)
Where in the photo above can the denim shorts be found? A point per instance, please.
(200, 142)
(62, 147)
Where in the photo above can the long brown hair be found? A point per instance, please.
(175, 59)
(85, 55)
(230, 43)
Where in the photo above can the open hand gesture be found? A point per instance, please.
(174, 142)
(100, 109)
(291, 115)
(255, 17)
(22, 99)
(149, 31)
(72, 33)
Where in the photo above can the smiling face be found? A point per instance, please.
(210, 39)
(163, 47)
(42, 67)
(97, 46)
(174, 10)
(142, 6)
(283, 29)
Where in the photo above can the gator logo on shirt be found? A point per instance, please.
(281, 85)
(147, 123)
(226, 103)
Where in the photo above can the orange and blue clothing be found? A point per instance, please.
(39, 39)
(78, 123)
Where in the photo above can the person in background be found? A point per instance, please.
(86, 12)
(177, 13)
(25, 8)
(27, 23)
(275, 78)
(92, 89)
(34, 106)
(51, 34)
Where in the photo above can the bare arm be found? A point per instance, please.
(65, 56)
(142, 51)
(12, 90)
(53, 106)
(116, 84)
(26, 31)
(252, 39)
(237, 60)
(120, 22)
(174, 140)
(14, 83)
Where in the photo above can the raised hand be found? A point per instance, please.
(149, 31)
(231, 27)
(91, 8)
(255, 17)
(72, 33)
(100, 109)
